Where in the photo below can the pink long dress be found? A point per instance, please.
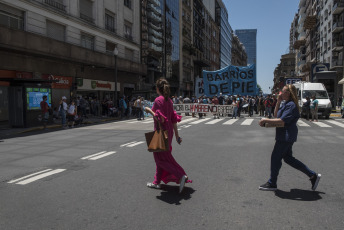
(167, 169)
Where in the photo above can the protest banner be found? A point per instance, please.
(203, 108)
(233, 80)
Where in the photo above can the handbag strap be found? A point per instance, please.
(159, 123)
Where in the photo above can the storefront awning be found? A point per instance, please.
(331, 75)
(27, 80)
(341, 82)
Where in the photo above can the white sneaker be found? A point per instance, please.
(182, 183)
(151, 185)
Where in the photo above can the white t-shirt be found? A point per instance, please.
(71, 109)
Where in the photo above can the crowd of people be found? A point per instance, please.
(262, 105)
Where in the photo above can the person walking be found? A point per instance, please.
(235, 108)
(167, 169)
(314, 108)
(306, 107)
(45, 111)
(72, 111)
(287, 116)
(63, 111)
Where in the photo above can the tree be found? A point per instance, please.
(259, 89)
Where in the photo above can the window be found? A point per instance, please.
(87, 41)
(86, 10)
(110, 47)
(110, 23)
(11, 17)
(55, 31)
(127, 3)
(128, 31)
(129, 54)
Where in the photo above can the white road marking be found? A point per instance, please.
(102, 155)
(33, 174)
(146, 122)
(137, 143)
(187, 126)
(321, 124)
(32, 179)
(93, 155)
(128, 143)
(336, 123)
(213, 121)
(199, 121)
(302, 123)
(247, 122)
(179, 129)
(186, 120)
(230, 122)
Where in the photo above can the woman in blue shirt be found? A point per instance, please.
(287, 116)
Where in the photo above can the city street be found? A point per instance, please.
(95, 177)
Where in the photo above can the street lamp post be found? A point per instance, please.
(115, 53)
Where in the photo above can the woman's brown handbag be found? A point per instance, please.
(157, 141)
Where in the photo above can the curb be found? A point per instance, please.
(60, 126)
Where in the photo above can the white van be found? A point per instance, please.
(310, 89)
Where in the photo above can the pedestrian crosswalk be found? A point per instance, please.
(246, 121)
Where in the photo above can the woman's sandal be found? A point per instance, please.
(152, 185)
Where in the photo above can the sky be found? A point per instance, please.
(272, 19)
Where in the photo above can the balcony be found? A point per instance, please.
(299, 43)
(338, 7)
(337, 45)
(129, 37)
(86, 18)
(55, 5)
(310, 22)
(155, 2)
(337, 63)
(337, 27)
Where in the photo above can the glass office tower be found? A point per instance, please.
(225, 35)
(249, 39)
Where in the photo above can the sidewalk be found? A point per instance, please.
(12, 132)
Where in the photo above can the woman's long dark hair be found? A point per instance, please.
(164, 87)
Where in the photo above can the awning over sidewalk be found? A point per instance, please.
(341, 81)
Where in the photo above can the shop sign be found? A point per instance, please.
(319, 68)
(24, 75)
(292, 80)
(88, 84)
(62, 82)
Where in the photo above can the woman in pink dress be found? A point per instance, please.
(167, 169)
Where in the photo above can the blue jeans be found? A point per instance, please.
(63, 117)
(268, 111)
(235, 112)
(283, 150)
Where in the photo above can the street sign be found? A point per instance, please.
(292, 80)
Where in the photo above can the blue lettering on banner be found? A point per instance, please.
(232, 80)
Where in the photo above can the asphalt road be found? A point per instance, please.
(71, 189)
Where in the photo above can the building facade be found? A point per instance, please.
(239, 56)
(226, 33)
(70, 41)
(285, 71)
(249, 38)
(318, 43)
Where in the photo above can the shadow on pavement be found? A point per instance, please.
(170, 194)
(299, 194)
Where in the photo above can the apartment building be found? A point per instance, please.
(226, 33)
(319, 43)
(71, 43)
(284, 73)
(239, 56)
